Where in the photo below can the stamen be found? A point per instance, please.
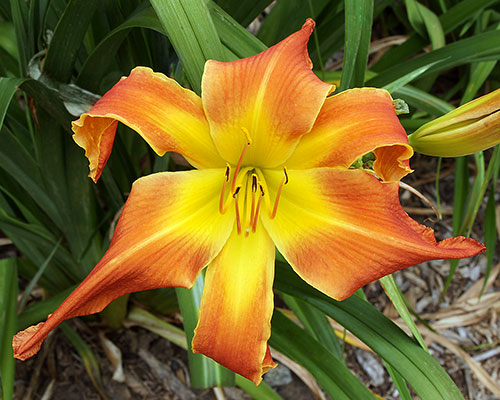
(240, 161)
(284, 181)
(237, 210)
(257, 210)
(254, 190)
(227, 174)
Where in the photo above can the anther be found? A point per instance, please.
(242, 155)
(284, 181)
(227, 175)
(236, 192)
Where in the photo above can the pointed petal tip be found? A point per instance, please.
(274, 95)
(309, 25)
(23, 337)
(462, 247)
(237, 305)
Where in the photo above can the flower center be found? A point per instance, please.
(246, 187)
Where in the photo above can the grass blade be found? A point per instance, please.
(315, 323)
(490, 224)
(8, 87)
(244, 11)
(8, 321)
(462, 11)
(397, 299)
(484, 45)
(192, 33)
(358, 25)
(68, 38)
(37, 276)
(286, 17)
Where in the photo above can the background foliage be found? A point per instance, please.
(58, 56)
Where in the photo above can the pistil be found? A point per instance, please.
(242, 155)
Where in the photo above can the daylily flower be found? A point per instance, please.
(272, 151)
(470, 128)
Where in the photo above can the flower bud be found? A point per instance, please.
(471, 128)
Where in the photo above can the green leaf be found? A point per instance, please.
(244, 11)
(286, 17)
(399, 83)
(329, 371)
(236, 38)
(37, 312)
(104, 53)
(64, 169)
(399, 382)
(484, 45)
(191, 31)
(19, 12)
(316, 323)
(397, 299)
(8, 39)
(8, 87)
(415, 365)
(8, 321)
(34, 281)
(358, 25)
(476, 195)
(49, 99)
(68, 38)
(423, 100)
(490, 232)
(424, 21)
(455, 16)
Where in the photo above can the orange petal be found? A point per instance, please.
(274, 96)
(351, 124)
(341, 229)
(170, 228)
(237, 304)
(167, 116)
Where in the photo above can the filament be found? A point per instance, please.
(257, 210)
(283, 182)
(237, 210)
